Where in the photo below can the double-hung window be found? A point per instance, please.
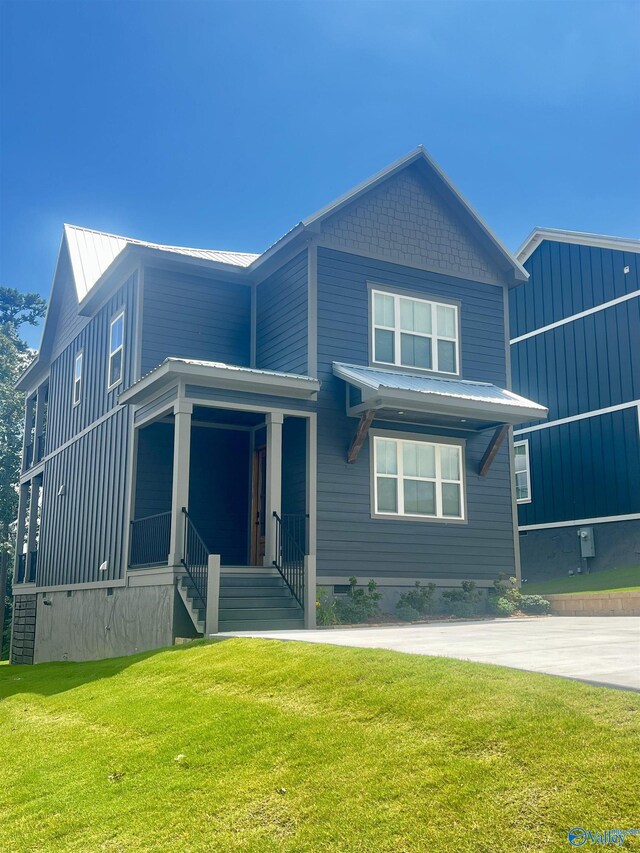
(523, 471)
(77, 378)
(415, 333)
(421, 479)
(116, 350)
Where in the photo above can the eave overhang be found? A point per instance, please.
(219, 375)
(457, 404)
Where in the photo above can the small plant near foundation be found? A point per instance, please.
(506, 598)
(359, 605)
(325, 608)
(463, 602)
(416, 603)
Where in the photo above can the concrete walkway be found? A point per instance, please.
(601, 650)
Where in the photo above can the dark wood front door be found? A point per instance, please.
(259, 505)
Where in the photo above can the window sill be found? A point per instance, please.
(429, 519)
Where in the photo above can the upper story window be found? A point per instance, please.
(116, 350)
(77, 378)
(419, 479)
(416, 333)
(523, 472)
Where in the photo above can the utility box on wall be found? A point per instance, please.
(587, 542)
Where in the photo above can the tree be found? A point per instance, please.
(16, 309)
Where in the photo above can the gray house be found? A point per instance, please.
(211, 434)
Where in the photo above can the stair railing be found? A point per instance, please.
(289, 559)
(195, 556)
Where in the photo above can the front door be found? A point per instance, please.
(259, 505)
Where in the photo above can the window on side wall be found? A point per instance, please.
(523, 472)
(416, 333)
(77, 378)
(418, 479)
(116, 350)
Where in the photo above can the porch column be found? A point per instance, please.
(274, 484)
(33, 524)
(29, 411)
(180, 492)
(22, 519)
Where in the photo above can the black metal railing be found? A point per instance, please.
(296, 527)
(40, 448)
(289, 559)
(195, 558)
(150, 540)
(20, 568)
(33, 566)
(28, 456)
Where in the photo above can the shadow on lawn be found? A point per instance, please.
(47, 679)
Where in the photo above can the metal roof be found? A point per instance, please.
(381, 387)
(579, 238)
(92, 252)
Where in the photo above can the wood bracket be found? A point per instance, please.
(366, 418)
(493, 448)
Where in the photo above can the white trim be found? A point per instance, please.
(524, 443)
(606, 519)
(397, 330)
(578, 238)
(399, 477)
(77, 380)
(593, 414)
(119, 349)
(602, 307)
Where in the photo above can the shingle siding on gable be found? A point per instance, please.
(188, 316)
(281, 310)
(406, 221)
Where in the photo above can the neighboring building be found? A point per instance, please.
(575, 347)
(333, 406)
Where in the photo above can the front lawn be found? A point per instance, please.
(614, 580)
(263, 745)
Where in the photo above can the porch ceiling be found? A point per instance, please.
(219, 375)
(398, 396)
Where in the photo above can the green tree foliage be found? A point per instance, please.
(16, 309)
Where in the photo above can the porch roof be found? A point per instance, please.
(401, 396)
(217, 374)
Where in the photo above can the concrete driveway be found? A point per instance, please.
(601, 650)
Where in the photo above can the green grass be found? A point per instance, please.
(619, 580)
(297, 747)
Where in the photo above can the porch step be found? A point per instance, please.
(257, 603)
(256, 624)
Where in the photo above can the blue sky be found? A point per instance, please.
(222, 124)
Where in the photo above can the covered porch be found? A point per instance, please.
(223, 488)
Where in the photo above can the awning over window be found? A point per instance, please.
(411, 397)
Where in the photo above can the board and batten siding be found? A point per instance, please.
(281, 318)
(83, 514)
(584, 469)
(350, 542)
(588, 468)
(85, 525)
(567, 279)
(194, 316)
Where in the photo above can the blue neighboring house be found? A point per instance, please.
(575, 347)
(211, 434)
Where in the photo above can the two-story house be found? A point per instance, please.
(575, 347)
(211, 434)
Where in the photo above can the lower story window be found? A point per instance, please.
(418, 478)
(523, 471)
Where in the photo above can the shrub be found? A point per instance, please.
(407, 613)
(501, 606)
(359, 604)
(419, 600)
(534, 604)
(464, 602)
(325, 608)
